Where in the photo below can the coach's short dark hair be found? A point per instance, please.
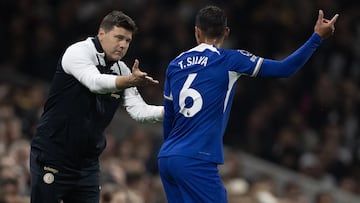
(212, 21)
(118, 19)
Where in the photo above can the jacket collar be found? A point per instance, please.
(97, 44)
(101, 54)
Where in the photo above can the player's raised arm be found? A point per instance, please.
(288, 66)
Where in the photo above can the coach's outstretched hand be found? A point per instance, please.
(139, 78)
(324, 27)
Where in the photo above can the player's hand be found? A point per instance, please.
(324, 27)
(139, 78)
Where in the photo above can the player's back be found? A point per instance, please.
(200, 83)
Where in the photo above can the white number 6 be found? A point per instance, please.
(193, 94)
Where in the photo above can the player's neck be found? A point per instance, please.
(213, 42)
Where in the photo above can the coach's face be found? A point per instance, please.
(115, 42)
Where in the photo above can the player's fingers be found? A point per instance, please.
(325, 20)
(321, 15)
(333, 20)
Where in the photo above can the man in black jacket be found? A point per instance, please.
(90, 83)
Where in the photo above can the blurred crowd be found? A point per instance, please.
(308, 123)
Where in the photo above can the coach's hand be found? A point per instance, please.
(139, 78)
(324, 27)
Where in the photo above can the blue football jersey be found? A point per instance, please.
(198, 91)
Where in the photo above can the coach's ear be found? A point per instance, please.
(101, 33)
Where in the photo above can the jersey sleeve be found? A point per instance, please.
(77, 61)
(244, 62)
(292, 63)
(167, 89)
(168, 107)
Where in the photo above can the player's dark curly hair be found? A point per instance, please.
(118, 19)
(212, 21)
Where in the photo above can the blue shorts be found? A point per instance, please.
(187, 180)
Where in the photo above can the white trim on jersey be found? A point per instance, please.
(200, 48)
(168, 97)
(233, 76)
(257, 67)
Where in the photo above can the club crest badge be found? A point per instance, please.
(48, 178)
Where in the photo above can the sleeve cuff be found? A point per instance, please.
(316, 39)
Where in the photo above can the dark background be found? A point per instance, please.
(315, 112)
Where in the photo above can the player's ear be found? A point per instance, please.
(197, 30)
(227, 32)
(197, 34)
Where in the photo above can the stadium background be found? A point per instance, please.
(308, 124)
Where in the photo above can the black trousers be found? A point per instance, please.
(53, 183)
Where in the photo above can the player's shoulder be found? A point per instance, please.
(240, 54)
